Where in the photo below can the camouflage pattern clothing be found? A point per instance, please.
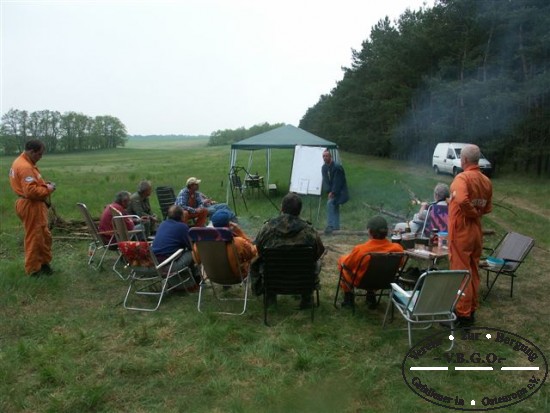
(285, 229)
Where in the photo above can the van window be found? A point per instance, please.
(457, 150)
(450, 153)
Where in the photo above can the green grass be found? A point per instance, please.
(67, 345)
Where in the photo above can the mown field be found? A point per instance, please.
(68, 345)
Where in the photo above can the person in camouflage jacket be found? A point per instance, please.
(286, 229)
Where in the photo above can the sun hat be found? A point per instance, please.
(192, 180)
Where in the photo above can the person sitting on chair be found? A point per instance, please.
(173, 234)
(377, 228)
(441, 194)
(121, 202)
(286, 229)
(246, 250)
(139, 205)
(196, 205)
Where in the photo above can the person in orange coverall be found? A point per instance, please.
(471, 198)
(244, 246)
(377, 228)
(31, 207)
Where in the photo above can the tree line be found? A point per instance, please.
(464, 70)
(229, 136)
(67, 132)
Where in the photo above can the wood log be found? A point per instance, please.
(385, 212)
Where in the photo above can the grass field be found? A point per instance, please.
(67, 345)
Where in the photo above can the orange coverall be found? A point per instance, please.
(471, 197)
(31, 208)
(351, 260)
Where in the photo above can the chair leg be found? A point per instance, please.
(390, 304)
(512, 285)
(265, 307)
(491, 287)
(337, 291)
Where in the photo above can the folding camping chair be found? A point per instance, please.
(437, 217)
(217, 252)
(382, 269)
(148, 277)
(166, 198)
(432, 300)
(122, 233)
(289, 270)
(98, 245)
(512, 250)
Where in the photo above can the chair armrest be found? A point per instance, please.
(170, 258)
(396, 288)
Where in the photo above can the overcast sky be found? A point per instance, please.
(182, 67)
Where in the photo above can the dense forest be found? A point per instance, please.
(67, 132)
(464, 70)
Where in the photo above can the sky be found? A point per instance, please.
(183, 67)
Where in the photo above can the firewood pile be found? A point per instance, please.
(67, 229)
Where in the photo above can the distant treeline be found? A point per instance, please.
(172, 137)
(229, 136)
(67, 132)
(465, 70)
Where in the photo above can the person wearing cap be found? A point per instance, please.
(377, 228)
(246, 250)
(196, 205)
(286, 229)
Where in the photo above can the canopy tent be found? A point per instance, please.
(285, 137)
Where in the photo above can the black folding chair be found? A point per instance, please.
(289, 270)
(382, 270)
(166, 198)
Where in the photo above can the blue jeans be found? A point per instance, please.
(333, 212)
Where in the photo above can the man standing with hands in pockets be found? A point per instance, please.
(334, 182)
(31, 207)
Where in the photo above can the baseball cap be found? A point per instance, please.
(192, 180)
(377, 223)
(221, 218)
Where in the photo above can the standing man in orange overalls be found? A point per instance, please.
(471, 198)
(32, 208)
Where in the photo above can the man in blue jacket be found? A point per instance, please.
(334, 182)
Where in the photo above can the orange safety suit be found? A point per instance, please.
(31, 208)
(353, 259)
(471, 197)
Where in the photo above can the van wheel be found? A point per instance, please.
(455, 171)
(436, 170)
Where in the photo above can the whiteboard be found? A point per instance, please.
(306, 177)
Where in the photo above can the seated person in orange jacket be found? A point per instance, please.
(377, 228)
(246, 250)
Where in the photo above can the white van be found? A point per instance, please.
(446, 159)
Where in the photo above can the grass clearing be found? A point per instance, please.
(67, 345)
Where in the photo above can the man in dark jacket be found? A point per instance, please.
(334, 183)
(286, 229)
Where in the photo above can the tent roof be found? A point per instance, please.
(287, 136)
